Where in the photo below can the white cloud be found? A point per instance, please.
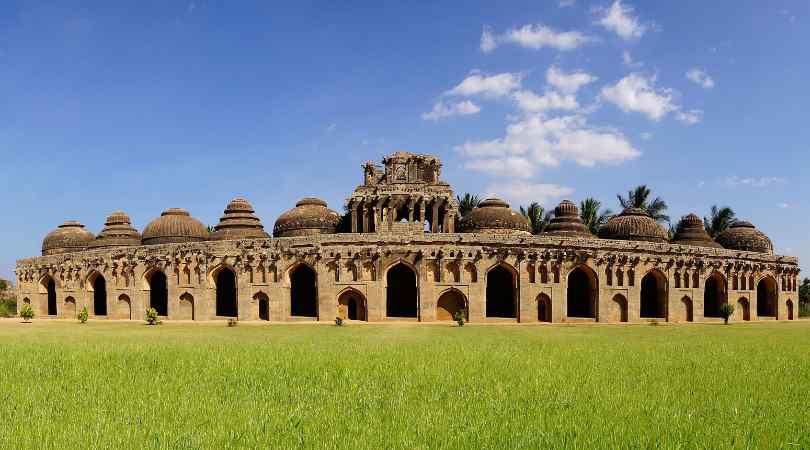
(537, 141)
(519, 193)
(760, 182)
(620, 19)
(566, 3)
(636, 93)
(628, 61)
(492, 86)
(442, 110)
(570, 82)
(534, 37)
(700, 77)
(530, 102)
(690, 117)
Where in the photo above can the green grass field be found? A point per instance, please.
(178, 386)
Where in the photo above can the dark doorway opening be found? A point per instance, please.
(501, 293)
(51, 288)
(653, 296)
(766, 297)
(159, 293)
(581, 294)
(714, 295)
(99, 296)
(226, 294)
(401, 295)
(303, 292)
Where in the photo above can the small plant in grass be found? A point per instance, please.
(152, 317)
(232, 322)
(82, 316)
(654, 322)
(339, 321)
(726, 310)
(26, 313)
(459, 317)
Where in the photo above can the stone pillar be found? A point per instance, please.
(434, 226)
(422, 212)
(451, 222)
(411, 205)
(354, 205)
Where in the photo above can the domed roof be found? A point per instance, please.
(633, 224)
(745, 236)
(567, 221)
(239, 222)
(173, 226)
(68, 237)
(310, 216)
(494, 216)
(118, 231)
(691, 231)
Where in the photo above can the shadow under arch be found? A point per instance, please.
(544, 308)
(715, 294)
(352, 305)
(767, 297)
(450, 303)
(401, 290)
(303, 281)
(502, 291)
(157, 284)
(582, 293)
(654, 295)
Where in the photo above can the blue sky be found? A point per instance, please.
(148, 105)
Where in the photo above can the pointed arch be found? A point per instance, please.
(263, 303)
(743, 309)
(582, 293)
(227, 304)
(688, 313)
(618, 312)
(47, 286)
(767, 297)
(450, 303)
(502, 291)
(715, 294)
(69, 308)
(352, 304)
(401, 290)
(123, 308)
(789, 306)
(654, 295)
(544, 308)
(303, 291)
(186, 309)
(157, 285)
(97, 284)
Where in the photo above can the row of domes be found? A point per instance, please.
(633, 224)
(312, 216)
(175, 225)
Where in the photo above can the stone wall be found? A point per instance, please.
(541, 268)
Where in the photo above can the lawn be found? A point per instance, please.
(178, 386)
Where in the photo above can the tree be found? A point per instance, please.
(538, 217)
(719, 220)
(804, 297)
(639, 198)
(726, 310)
(591, 214)
(467, 203)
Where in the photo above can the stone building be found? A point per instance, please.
(408, 256)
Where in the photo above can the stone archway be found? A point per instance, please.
(715, 294)
(99, 286)
(352, 305)
(69, 308)
(263, 304)
(303, 292)
(186, 310)
(688, 312)
(767, 298)
(543, 308)
(123, 310)
(49, 287)
(582, 293)
(401, 293)
(450, 304)
(789, 305)
(743, 310)
(618, 308)
(654, 295)
(501, 292)
(158, 292)
(226, 295)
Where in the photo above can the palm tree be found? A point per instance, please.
(538, 217)
(639, 198)
(467, 203)
(720, 218)
(592, 217)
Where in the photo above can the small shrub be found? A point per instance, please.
(232, 322)
(26, 313)
(459, 317)
(82, 316)
(152, 317)
(726, 310)
(338, 321)
(8, 307)
(654, 322)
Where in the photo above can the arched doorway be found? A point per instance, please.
(789, 305)
(501, 293)
(185, 310)
(226, 293)
(264, 305)
(69, 308)
(50, 290)
(582, 293)
(159, 293)
(714, 295)
(654, 295)
(352, 305)
(767, 297)
(124, 308)
(619, 309)
(303, 292)
(744, 309)
(401, 293)
(686, 302)
(99, 295)
(449, 304)
(543, 308)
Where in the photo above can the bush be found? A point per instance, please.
(152, 317)
(804, 309)
(232, 322)
(82, 316)
(339, 321)
(8, 307)
(726, 310)
(459, 317)
(26, 313)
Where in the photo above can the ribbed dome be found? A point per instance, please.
(310, 216)
(68, 237)
(118, 231)
(173, 226)
(494, 216)
(745, 236)
(239, 222)
(691, 231)
(567, 222)
(633, 224)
